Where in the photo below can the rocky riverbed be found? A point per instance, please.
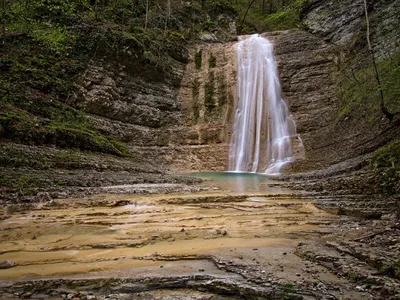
(195, 245)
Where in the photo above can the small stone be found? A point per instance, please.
(27, 295)
(183, 230)
(161, 267)
(154, 236)
(201, 270)
(7, 264)
(284, 253)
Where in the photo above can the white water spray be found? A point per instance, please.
(263, 128)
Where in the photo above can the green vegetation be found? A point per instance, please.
(18, 125)
(212, 61)
(352, 276)
(289, 289)
(386, 161)
(359, 91)
(198, 59)
(287, 18)
(269, 15)
(24, 185)
(209, 101)
(222, 92)
(195, 102)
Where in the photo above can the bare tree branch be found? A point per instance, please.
(147, 13)
(384, 110)
(245, 15)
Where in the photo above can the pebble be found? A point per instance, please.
(7, 264)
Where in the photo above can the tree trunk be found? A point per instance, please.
(95, 10)
(245, 15)
(147, 13)
(168, 16)
(3, 6)
(384, 110)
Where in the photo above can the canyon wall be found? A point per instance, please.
(179, 120)
(182, 120)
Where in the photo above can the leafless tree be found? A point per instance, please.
(384, 110)
(251, 2)
(147, 14)
(3, 8)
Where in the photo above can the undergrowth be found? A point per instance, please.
(360, 91)
(386, 162)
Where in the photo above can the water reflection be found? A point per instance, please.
(238, 182)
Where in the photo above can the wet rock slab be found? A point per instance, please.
(209, 245)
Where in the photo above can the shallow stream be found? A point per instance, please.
(240, 182)
(117, 231)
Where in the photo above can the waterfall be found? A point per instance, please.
(263, 129)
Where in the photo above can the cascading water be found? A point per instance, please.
(263, 128)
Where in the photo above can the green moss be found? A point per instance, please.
(222, 90)
(25, 185)
(289, 290)
(386, 163)
(212, 61)
(195, 100)
(276, 16)
(198, 59)
(288, 286)
(352, 276)
(209, 101)
(286, 19)
(35, 90)
(22, 127)
(387, 156)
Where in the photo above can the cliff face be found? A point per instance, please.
(179, 119)
(183, 120)
(330, 133)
